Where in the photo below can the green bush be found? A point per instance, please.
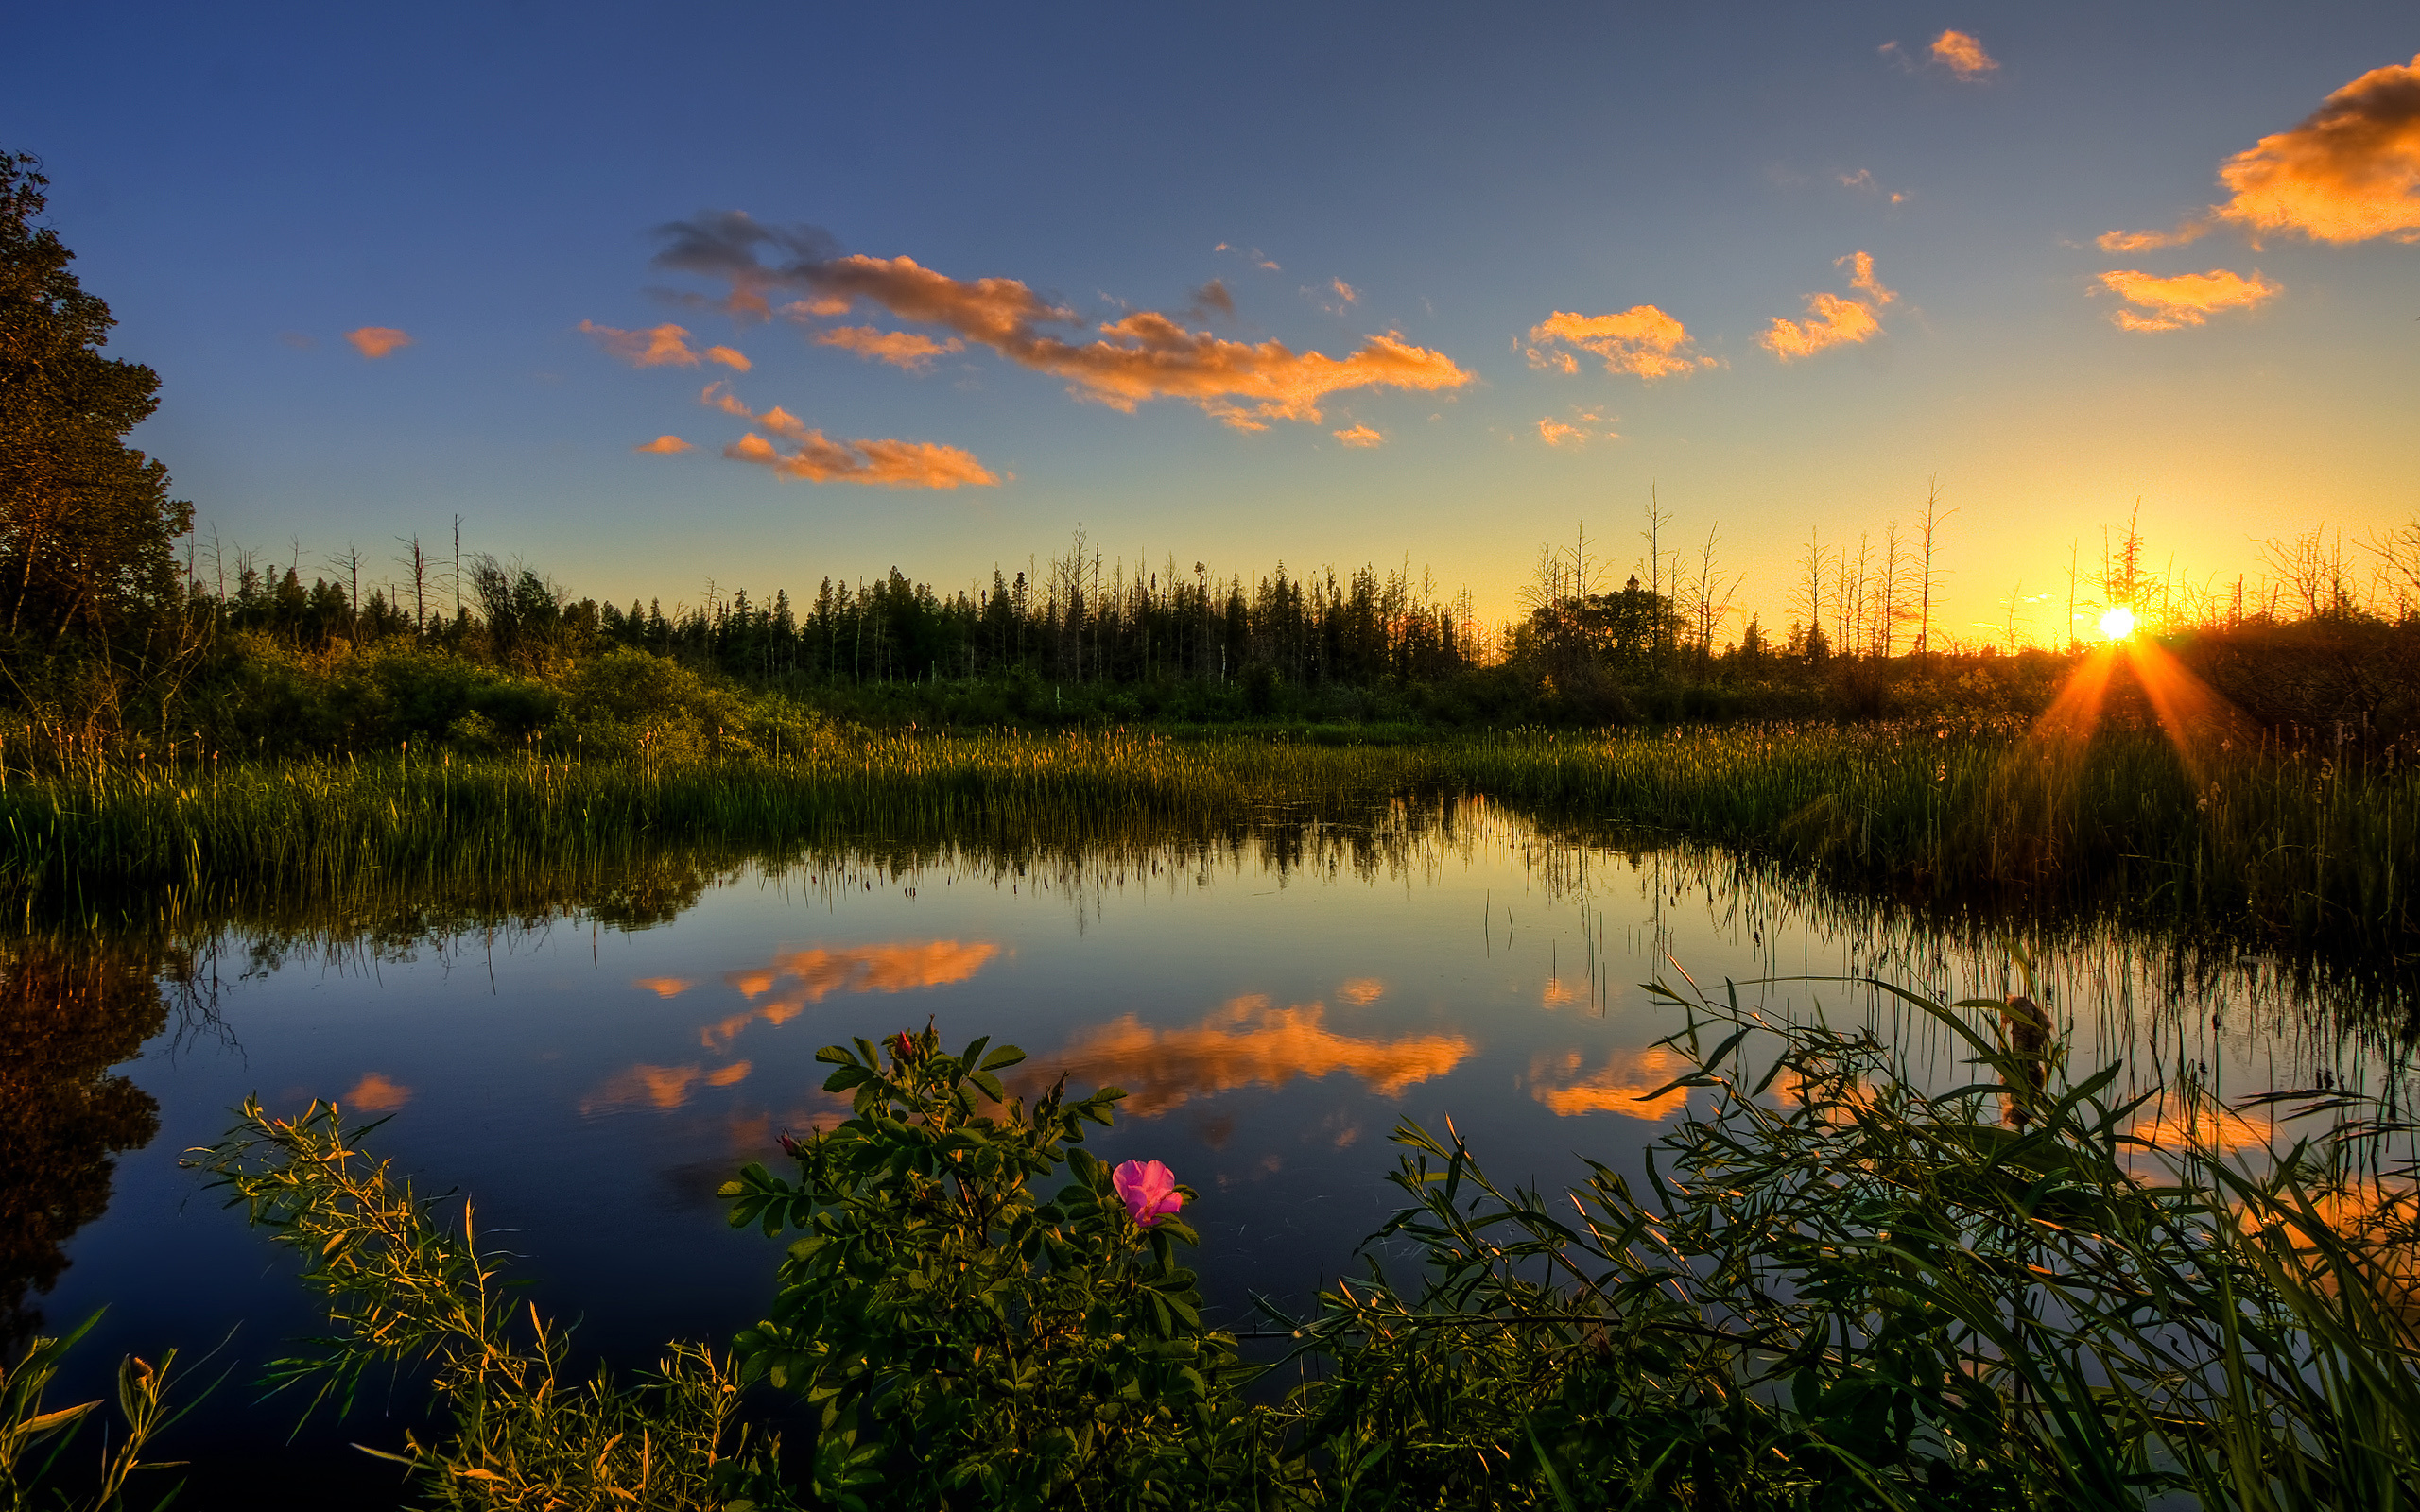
(962, 1342)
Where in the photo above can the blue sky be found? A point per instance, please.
(246, 191)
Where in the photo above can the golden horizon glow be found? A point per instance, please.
(2118, 624)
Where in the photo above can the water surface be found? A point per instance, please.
(1274, 998)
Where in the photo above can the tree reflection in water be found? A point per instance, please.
(68, 1013)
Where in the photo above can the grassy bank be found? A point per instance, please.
(2268, 838)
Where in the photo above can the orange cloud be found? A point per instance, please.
(2350, 172)
(1642, 341)
(375, 341)
(815, 973)
(1345, 291)
(664, 446)
(374, 1093)
(890, 463)
(730, 358)
(1831, 322)
(1361, 435)
(1861, 277)
(1963, 54)
(2186, 298)
(1145, 356)
(901, 348)
(663, 986)
(1362, 992)
(1245, 1043)
(1555, 433)
(1620, 1086)
(662, 346)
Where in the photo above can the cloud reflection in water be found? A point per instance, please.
(1247, 1042)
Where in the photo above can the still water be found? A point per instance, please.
(1274, 999)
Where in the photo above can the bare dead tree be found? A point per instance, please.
(1933, 517)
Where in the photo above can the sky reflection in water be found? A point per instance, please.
(1273, 1006)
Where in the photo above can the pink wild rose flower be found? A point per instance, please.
(1149, 1190)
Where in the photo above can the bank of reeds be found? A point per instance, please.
(2275, 839)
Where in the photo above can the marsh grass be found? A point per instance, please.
(407, 1287)
(2274, 840)
(1842, 1290)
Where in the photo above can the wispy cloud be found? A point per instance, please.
(2186, 298)
(2350, 172)
(662, 346)
(821, 459)
(1579, 431)
(1962, 55)
(1142, 355)
(901, 348)
(892, 463)
(1361, 435)
(1831, 320)
(1212, 299)
(665, 446)
(375, 341)
(730, 358)
(1642, 341)
(1865, 182)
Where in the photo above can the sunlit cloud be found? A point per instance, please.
(1962, 55)
(1831, 320)
(374, 1093)
(1642, 341)
(730, 358)
(1578, 432)
(1618, 1086)
(794, 979)
(662, 346)
(890, 463)
(819, 458)
(1248, 1043)
(901, 348)
(2183, 298)
(663, 986)
(1361, 435)
(664, 446)
(1363, 991)
(1345, 291)
(1860, 266)
(375, 341)
(2350, 172)
(1142, 355)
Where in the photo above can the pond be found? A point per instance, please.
(1275, 997)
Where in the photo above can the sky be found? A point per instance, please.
(658, 296)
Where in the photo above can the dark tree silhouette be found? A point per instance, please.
(86, 524)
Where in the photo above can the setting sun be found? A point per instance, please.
(2118, 624)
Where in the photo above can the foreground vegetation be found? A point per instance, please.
(1838, 1288)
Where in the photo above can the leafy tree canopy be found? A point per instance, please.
(85, 521)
